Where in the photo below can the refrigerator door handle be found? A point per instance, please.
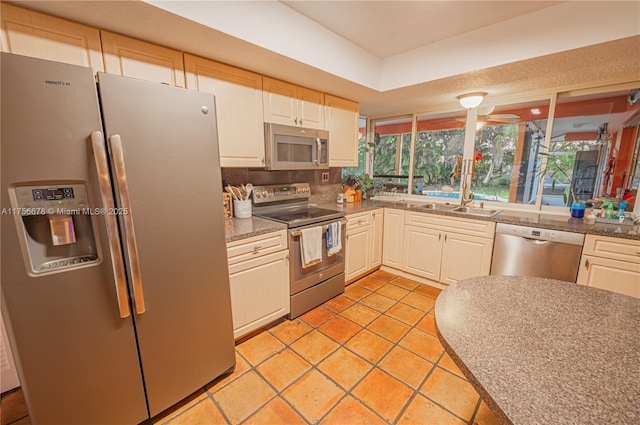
(104, 180)
(115, 143)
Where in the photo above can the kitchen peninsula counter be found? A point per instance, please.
(542, 351)
(524, 218)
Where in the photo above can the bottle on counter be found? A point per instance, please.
(621, 208)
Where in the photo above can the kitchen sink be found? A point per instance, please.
(475, 211)
(435, 207)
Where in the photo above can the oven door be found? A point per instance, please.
(302, 279)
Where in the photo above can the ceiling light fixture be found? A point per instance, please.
(471, 100)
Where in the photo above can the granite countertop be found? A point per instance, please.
(525, 218)
(542, 351)
(242, 228)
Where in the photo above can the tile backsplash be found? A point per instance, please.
(320, 191)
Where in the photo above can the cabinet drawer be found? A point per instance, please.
(355, 221)
(256, 246)
(470, 227)
(613, 248)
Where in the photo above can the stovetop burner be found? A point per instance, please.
(289, 204)
(301, 216)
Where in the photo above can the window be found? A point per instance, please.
(438, 155)
(590, 149)
(392, 154)
(506, 144)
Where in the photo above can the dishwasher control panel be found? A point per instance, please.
(540, 234)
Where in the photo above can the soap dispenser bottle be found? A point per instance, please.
(621, 208)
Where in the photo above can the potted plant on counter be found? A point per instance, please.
(363, 183)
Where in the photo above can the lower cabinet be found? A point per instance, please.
(363, 243)
(392, 239)
(612, 264)
(465, 256)
(259, 281)
(422, 252)
(440, 248)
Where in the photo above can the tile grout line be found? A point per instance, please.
(376, 365)
(394, 345)
(436, 364)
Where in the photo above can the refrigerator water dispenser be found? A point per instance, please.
(56, 228)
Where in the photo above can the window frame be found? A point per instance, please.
(469, 142)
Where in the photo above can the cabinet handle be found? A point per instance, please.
(300, 121)
(439, 236)
(586, 264)
(296, 121)
(445, 238)
(257, 248)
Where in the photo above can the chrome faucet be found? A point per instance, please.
(467, 195)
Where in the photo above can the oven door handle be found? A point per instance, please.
(296, 233)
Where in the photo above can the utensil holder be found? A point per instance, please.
(242, 208)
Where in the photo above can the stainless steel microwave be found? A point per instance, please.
(295, 148)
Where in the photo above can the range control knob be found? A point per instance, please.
(258, 195)
(265, 194)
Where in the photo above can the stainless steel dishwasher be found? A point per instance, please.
(530, 251)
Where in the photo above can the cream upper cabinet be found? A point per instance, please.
(34, 34)
(288, 104)
(239, 114)
(392, 240)
(612, 264)
(342, 122)
(138, 59)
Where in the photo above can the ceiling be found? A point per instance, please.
(387, 28)
(393, 57)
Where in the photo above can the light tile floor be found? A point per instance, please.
(370, 356)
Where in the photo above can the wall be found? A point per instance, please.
(320, 192)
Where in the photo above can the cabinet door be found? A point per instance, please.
(465, 256)
(614, 275)
(138, 59)
(357, 253)
(279, 101)
(377, 220)
(259, 291)
(423, 251)
(34, 34)
(311, 109)
(238, 109)
(393, 231)
(342, 122)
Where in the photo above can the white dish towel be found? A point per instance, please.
(311, 246)
(334, 238)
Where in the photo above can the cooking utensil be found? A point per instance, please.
(249, 189)
(229, 189)
(238, 193)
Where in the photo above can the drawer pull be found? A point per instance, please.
(257, 248)
(586, 264)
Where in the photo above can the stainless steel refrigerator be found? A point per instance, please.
(115, 289)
